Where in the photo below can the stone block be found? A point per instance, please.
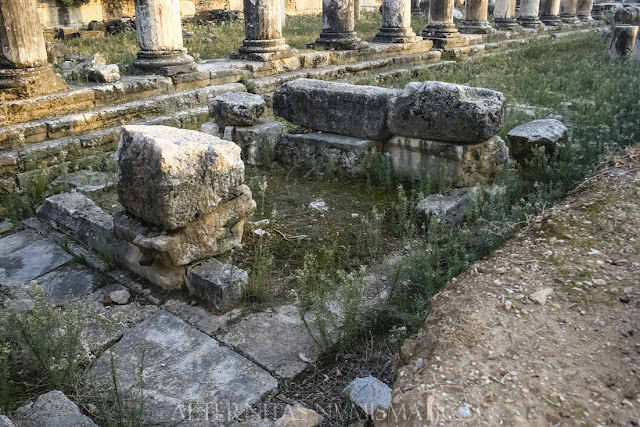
(346, 153)
(52, 409)
(547, 133)
(104, 73)
(211, 128)
(463, 164)
(342, 108)
(623, 41)
(183, 369)
(258, 142)
(218, 285)
(450, 208)
(236, 109)
(447, 112)
(371, 395)
(211, 234)
(169, 177)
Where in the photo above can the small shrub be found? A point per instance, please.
(260, 273)
(369, 239)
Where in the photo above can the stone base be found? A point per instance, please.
(264, 50)
(444, 36)
(340, 41)
(29, 82)
(585, 18)
(551, 20)
(507, 24)
(396, 35)
(463, 164)
(319, 150)
(476, 27)
(569, 19)
(530, 22)
(165, 62)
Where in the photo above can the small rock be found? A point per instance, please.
(541, 296)
(370, 394)
(464, 411)
(104, 73)
(52, 409)
(319, 205)
(120, 297)
(5, 226)
(599, 282)
(298, 416)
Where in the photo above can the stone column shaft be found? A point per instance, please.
(584, 10)
(475, 21)
(263, 31)
(504, 14)
(337, 25)
(568, 10)
(415, 7)
(529, 14)
(550, 12)
(24, 70)
(441, 28)
(160, 37)
(396, 23)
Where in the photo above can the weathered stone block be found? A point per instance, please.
(623, 40)
(342, 108)
(236, 109)
(450, 208)
(211, 128)
(447, 112)
(344, 152)
(463, 164)
(52, 409)
(547, 133)
(169, 177)
(104, 73)
(258, 142)
(213, 233)
(218, 285)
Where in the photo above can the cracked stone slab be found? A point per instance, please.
(199, 317)
(282, 325)
(183, 367)
(26, 255)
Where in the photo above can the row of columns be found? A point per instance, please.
(24, 70)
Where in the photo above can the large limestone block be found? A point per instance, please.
(547, 133)
(169, 177)
(213, 233)
(236, 109)
(463, 164)
(447, 112)
(342, 108)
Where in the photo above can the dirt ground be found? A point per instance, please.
(490, 354)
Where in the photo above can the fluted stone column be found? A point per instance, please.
(504, 15)
(24, 70)
(475, 21)
(529, 14)
(441, 29)
(584, 10)
(396, 23)
(550, 13)
(568, 11)
(160, 37)
(337, 25)
(263, 31)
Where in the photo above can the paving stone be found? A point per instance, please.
(199, 317)
(52, 409)
(282, 325)
(26, 255)
(67, 283)
(183, 366)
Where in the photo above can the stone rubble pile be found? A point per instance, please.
(236, 117)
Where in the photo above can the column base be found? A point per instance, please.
(416, 11)
(584, 18)
(444, 36)
(597, 12)
(396, 35)
(340, 41)
(530, 22)
(264, 50)
(476, 27)
(551, 20)
(164, 62)
(569, 19)
(19, 83)
(506, 24)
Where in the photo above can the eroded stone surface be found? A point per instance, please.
(236, 109)
(547, 133)
(104, 73)
(219, 285)
(52, 409)
(450, 207)
(342, 108)
(258, 142)
(169, 176)
(447, 112)
(181, 366)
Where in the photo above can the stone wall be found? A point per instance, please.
(115, 9)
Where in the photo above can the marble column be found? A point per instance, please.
(160, 37)
(263, 32)
(441, 29)
(475, 21)
(568, 10)
(396, 23)
(504, 15)
(550, 13)
(529, 14)
(584, 10)
(24, 70)
(337, 25)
